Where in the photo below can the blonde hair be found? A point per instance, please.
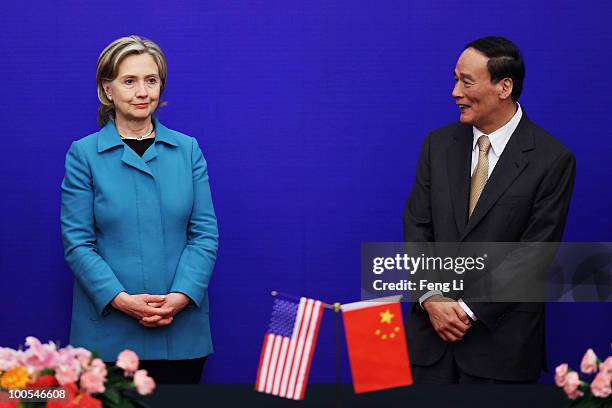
(107, 68)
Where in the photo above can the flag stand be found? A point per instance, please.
(338, 379)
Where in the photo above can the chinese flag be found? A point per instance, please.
(376, 344)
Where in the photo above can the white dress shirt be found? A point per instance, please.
(499, 139)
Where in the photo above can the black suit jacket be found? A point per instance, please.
(526, 199)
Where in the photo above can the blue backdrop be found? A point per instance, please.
(311, 115)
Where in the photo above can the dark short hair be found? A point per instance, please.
(505, 61)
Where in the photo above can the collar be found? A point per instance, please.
(108, 137)
(499, 138)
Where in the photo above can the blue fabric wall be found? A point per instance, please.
(311, 115)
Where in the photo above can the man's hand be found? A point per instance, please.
(174, 301)
(447, 317)
(138, 306)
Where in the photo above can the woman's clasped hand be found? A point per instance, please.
(151, 310)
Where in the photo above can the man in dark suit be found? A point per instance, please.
(494, 177)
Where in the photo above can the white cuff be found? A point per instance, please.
(467, 310)
(428, 295)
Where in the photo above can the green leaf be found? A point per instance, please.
(112, 395)
(125, 404)
(47, 371)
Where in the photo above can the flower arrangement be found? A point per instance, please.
(596, 394)
(87, 381)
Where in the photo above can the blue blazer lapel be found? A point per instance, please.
(108, 138)
(150, 154)
(162, 135)
(131, 158)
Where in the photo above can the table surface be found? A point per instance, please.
(328, 395)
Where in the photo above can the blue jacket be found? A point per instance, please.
(140, 225)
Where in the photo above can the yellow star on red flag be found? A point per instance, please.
(386, 316)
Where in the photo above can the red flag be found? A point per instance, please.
(376, 344)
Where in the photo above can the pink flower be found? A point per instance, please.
(601, 385)
(8, 359)
(66, 374)
(39, 356)
(81, 354)
(128, 360)
(606, 366)
(69, 361)
(589, 362)
(99, 366)
(20, 357)
(144, 384)
(92, 381)
(561, 374)
(572, 385)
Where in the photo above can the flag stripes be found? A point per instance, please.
(285, 361)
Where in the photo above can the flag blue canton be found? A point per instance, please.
(283, 318)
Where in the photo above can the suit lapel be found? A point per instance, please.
(109, 138)
(511, 164)
(150, 154)
(131, 158)
(458, 163)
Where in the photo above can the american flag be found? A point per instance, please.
(288, 347)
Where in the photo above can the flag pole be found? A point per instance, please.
(338, 374)
(275, 293)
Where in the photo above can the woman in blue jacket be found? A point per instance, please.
(138, 224)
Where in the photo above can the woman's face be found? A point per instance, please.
(135, 91)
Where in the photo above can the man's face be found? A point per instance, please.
(477, 98)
